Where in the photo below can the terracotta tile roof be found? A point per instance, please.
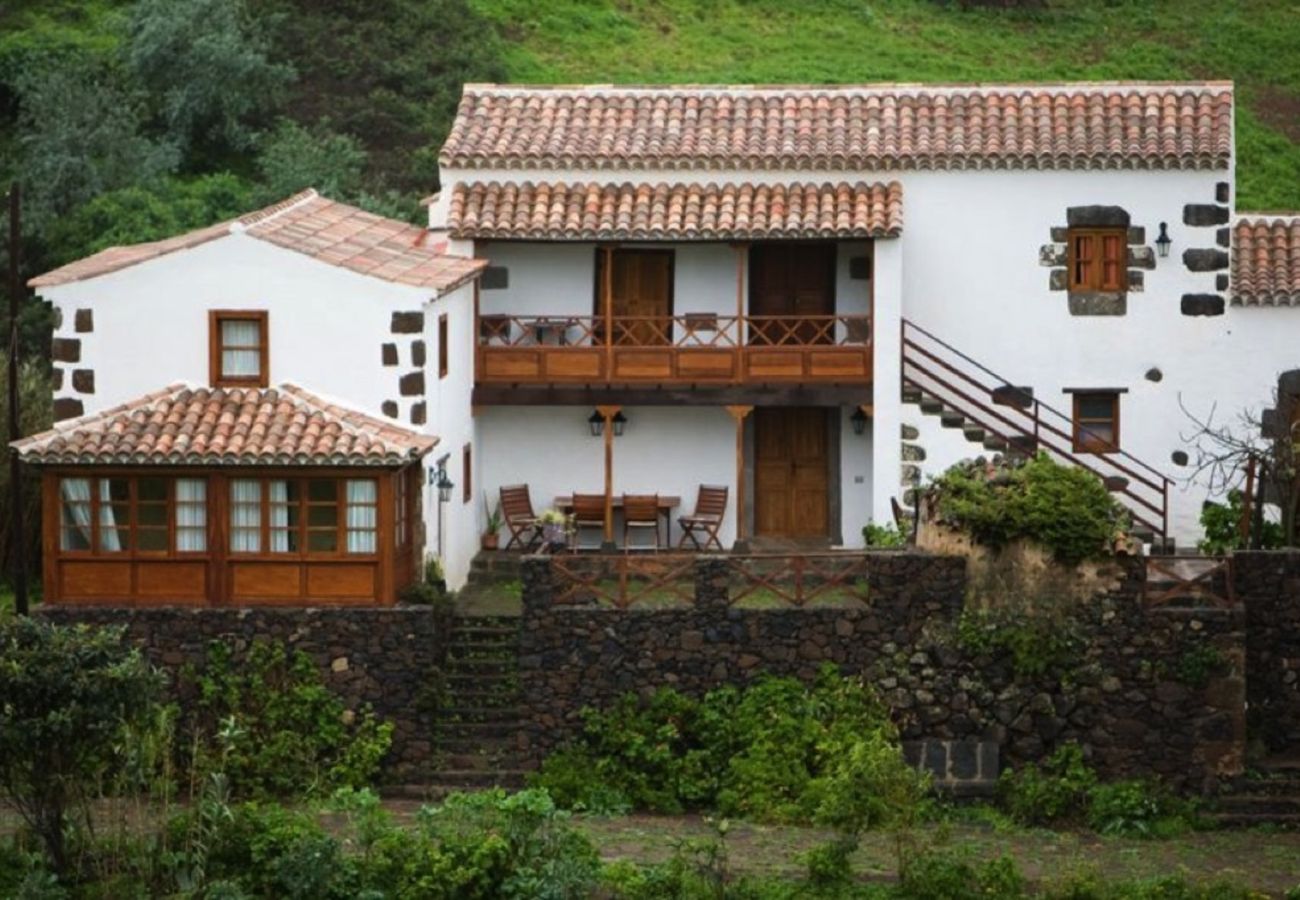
(658, 211)
(1266, 260)
(839, 128)
(187, 425)
(307, 223)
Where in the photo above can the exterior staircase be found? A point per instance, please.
(494, 586)
(1272, 797)
(479, 730)
(1001, 417)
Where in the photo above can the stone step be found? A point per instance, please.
(910, 393)
(950, 419)
(1259, 804)
(1254, 820)
(478, 762)
(494, 715)
(973, 434)
(931, 406)
(996, 444)
(480, 731)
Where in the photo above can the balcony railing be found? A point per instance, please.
(688, 348)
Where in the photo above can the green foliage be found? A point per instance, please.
(956, 877)
(1138, 809)
(887, 536)
(277, 729)
(1222, 523)
(778, 750)
(830, 865)
(131, 215)
(207, 69)
(68, 693)
(1065, 509)
(1055, 791)
(1199, 663)
(294, 157)
(1034, 642)
(36, 414)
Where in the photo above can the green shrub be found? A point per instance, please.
(1199, 663)
(1035, 644)
(1138, 809)
(955, 877)
(1222, 525)
(1053, 792)
(67, 694)
(887, 536)
(278, 729)
(1065, 509)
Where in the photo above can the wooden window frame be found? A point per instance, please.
(303, 529)
(401, 508)
(132, 526)
(444, 357)
(467, 473)
(216, 377)
(1095, 279)
(1081, 442)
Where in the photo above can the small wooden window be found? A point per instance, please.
(148, 515)
(1096, 422)
(304, 516)
(237, 348)
(1098, 259)
(442, 346)
(466, 474)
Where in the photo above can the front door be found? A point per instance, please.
(791, 472)
(641, 288)
(788, 281)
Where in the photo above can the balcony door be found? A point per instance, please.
(641, 284)
(791, 472)
(790, 281)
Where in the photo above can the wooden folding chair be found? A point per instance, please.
(710, 509)
(588, 512)
(517, 513)
(640, 512)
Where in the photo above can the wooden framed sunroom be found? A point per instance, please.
(329, 516)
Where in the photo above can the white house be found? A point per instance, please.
(813, 297)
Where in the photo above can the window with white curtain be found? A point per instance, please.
(239, 351)
(363, 515)
(133, 514)
(245, 515)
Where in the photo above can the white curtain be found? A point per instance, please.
(245, 362)
(76, 514)
(109, 539)
(245, 515)
(279, 517)
(362, 515)
(191, 515)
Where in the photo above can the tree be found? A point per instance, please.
(294, 158)
(206, 65)
(35, 412)
(81, 135)
(68, 692)
(1266, 442)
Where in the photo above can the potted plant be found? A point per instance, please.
(492, 515)
(555, 529)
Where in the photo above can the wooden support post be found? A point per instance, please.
(608, 413)
(739, 413)
(607, 308)
(742, 257)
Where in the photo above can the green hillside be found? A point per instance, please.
(1255, 43)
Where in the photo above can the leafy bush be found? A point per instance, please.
(1138, 809)
(885, 536)
(1036, 644)
(66, 695)
(1065, 509)
(956, 877)
(1055, 791)
(278, 729)
(778, 750)
(1199, 663)
(1222, 524)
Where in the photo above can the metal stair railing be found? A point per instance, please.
(936, 368)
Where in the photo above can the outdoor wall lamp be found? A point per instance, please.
(438, 477)
(596, 422)
(859, 420)
(1163, 241)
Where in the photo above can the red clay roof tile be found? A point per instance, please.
(839, 128)
(186, 425)
(1266, 260)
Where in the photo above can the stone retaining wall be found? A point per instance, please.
(1151, 692)
(389, 658)
(1268, 585)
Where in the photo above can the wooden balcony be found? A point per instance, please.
(693, 349)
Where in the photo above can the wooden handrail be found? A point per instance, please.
(678, 330)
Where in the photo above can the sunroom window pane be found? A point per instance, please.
(362, 515)
(191, 515)
(245, 515)
(74, 520)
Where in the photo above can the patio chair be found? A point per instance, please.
(517, 513)
(640, 512)
(588, 512)
(710, 508)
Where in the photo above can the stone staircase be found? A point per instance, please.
(1272, 797)
(479, 732)
(494, 585)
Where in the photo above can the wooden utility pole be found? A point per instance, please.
(18, 546)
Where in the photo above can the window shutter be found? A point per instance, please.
(1112, 257)
(1084, 262)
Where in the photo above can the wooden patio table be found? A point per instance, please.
(666, 506)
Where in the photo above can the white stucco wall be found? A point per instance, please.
(326, 324)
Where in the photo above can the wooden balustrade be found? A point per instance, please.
(690, 348)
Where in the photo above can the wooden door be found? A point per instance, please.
(791, 472)
(641, 287)
(790, 281)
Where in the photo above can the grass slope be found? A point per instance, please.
(1255, 43)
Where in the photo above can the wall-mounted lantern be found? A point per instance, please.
(443, 483)
(620, 422)
(1163, 241)
(596, 422)
(859, 420)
